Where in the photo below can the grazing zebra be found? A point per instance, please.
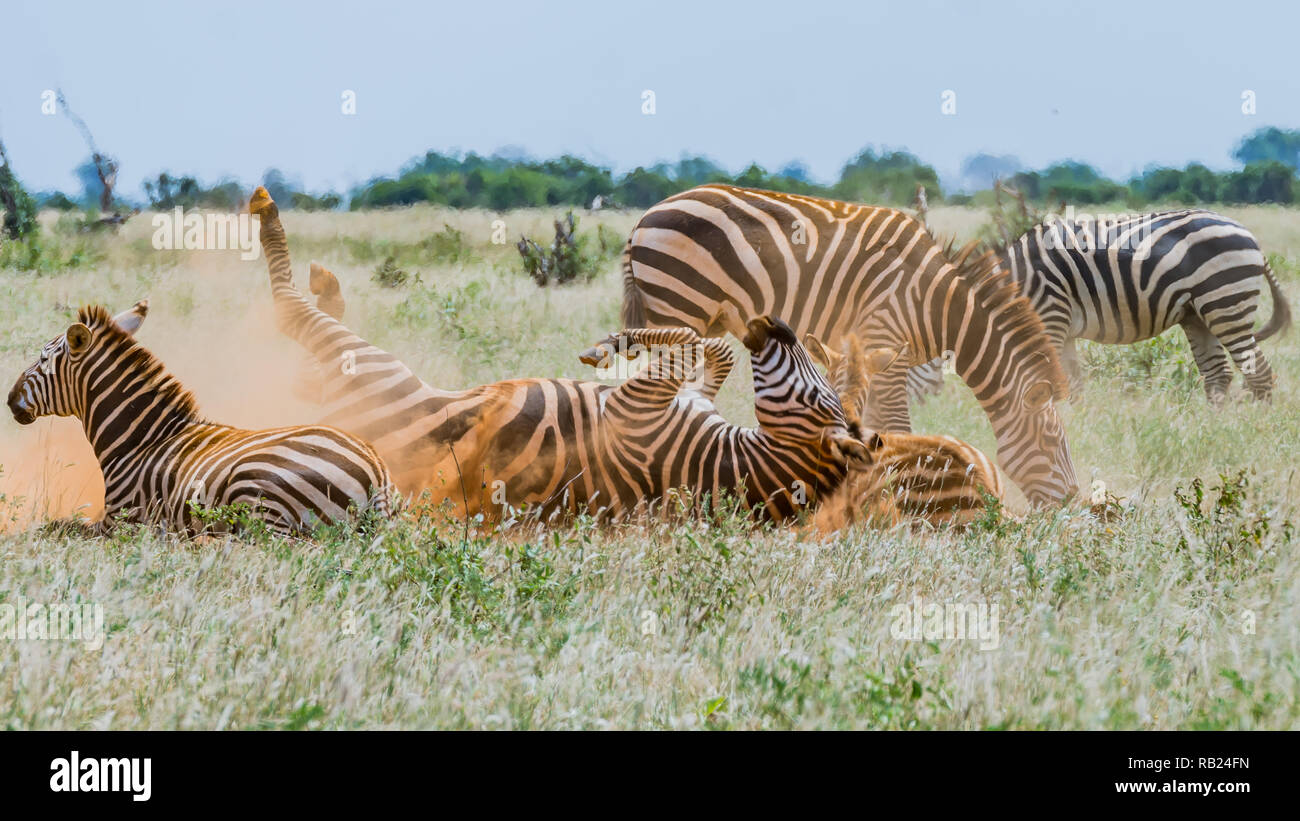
(936, 479)
(655, 439)
(1132, 278)
(527, 444)
(158, 455)
(830, 268)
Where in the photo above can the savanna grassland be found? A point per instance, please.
(1184, 613)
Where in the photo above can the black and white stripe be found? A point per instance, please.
(654, 437)
(160, 458)
(830, 268)
(1133, 277)
(541, 447)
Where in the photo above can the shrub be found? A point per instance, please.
(389, 275)
(570, 257)
(307, 202)
(18, 206)
(1230, 535)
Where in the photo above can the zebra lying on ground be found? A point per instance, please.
(539, 444)
(831, 268)
(1132, 278)
(654, 438)
(937, 479)
(160, 458)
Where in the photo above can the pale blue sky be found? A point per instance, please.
(235, 88)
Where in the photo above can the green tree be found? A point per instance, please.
(1270, 144)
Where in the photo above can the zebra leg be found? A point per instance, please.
(1234, 328)
(887, 400)
(670, 349)
(1211, 359)
(925, 379)
(1256, 373)
(718, 362)
(1070, 362)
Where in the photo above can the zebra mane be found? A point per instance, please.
(139, 359)
(969, 258)
(998, 292)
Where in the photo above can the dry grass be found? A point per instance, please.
(1163, 619)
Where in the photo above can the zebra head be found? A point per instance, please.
(850, 370)
(50, 385)
(1032, 446)
(792, 400)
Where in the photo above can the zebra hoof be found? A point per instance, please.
(598, 356)
(261, 202)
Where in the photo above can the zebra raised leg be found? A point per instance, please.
(653, 444)
(711, 360)
(329, 298)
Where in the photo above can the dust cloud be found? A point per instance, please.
(230, 355)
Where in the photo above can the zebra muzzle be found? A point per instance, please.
(852, 449)
(23, 415)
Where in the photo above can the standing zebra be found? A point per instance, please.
(1134, 277)
(830, 268)
(654, 439)
(541, 444)
(159, 456)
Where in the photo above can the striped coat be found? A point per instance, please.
(1132, 277)
(655, 438)
(161, 460)
(545, 446)
(936, 479)
(830, 268)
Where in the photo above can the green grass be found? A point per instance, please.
(1181, 614)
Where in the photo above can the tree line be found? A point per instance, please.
(1269, 158)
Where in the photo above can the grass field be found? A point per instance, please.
(1179, 615)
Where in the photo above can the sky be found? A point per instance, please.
(232, 89)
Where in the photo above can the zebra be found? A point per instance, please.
(936, 479)
(505, 452)
(1130, 278)
(654, 438)
(495, 451)
(163, 462)
(830, 268)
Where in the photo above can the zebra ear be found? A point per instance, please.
(78, 338)
(881, 359)
(131, 320)
(1038, 396)
(818, 352)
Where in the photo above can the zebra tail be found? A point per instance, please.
(1281, 318)
(633, 299)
